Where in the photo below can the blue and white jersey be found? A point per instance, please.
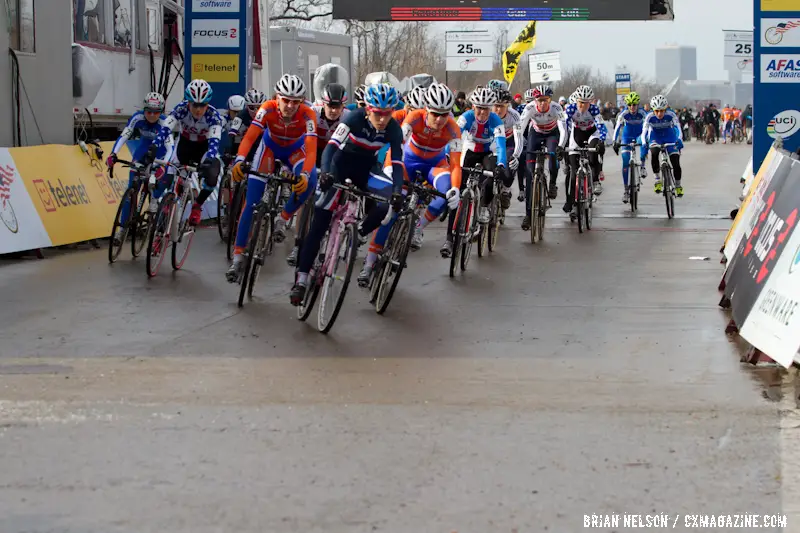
(138, 135)
(629, 125)
(662, 130)
(208, 127)
(357, 137)
(513, 127)
(484, 136)
(590, 121)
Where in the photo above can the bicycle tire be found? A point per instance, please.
(459, 227)
(160, 238)
(349, 236)
(667, 181)
(183, 225)
(115, 250)
(482, 238)
(385, 296)
(250, 252)
(223, 211)
(588, 206)
(472, 220)
(141, 221)
(304, 224)
(263, 249)
(544, 200)
(237, 206)
(380, 264)
(493, 229)
(534, 206)
(307, 305)
(579, 179)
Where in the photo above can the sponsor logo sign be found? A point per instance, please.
(215, 33)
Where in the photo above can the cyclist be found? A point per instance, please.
(415, 99)
(200, 126)
(235, 106)
(484, 142)
(142, 128)
(737, 120)
(514, 140)
(351, 153)
(427, 134)
(287, 129)
(252, 101)
(662, 126)
(330, 113)
(546, 122)
(747, 123)
(629, 128)
(727, 122)
(358, 97)
(586, 128)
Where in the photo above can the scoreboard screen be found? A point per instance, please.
(497, 10)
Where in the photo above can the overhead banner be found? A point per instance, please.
(219, 46)
(470, 51)
(738, 56)
(776, 83)
(544, 67)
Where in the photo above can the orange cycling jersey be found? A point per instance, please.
(400, 115)
(283, 133)
(737, 113)
(424, 143)
(727, 114)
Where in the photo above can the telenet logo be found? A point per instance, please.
(221, 68)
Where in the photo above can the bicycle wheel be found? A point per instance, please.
(534, 207)
(633, 187)
(472, 228)
(459, 230)
(395, 264)
(669, 190)
(141, 221)
(482, 238)
(314, 283)
(235, 213)
(159, 239)
(223, 203)
(183, 237)
(346, 253)
(263, 249)
(588, 202)
(115, 247)
(254, 242)
(493, 229)
(544, 201)
(580, 179)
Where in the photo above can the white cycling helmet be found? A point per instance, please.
(584, 93)
(235, 103)
(198, 92)
(290, 86)
(153, 102)
(572, 99)
(529, 96)
(659, 102)
(439, 97)
(416, 98)
(254, 97)
(483, 97)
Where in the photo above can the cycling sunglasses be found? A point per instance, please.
(439, 114)
(380, 112)
(197, 105)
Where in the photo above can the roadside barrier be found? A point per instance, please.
(761, 282)
(52, 195)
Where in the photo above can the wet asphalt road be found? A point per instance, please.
(588, 374)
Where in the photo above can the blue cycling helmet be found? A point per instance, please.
(498, 85)
(382, 96)
(198, 92)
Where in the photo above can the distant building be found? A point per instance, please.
(676, 62)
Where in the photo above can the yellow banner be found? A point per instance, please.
(780, 5)
(511, 57)
(762, 170)
(223, 68)
(76, 200)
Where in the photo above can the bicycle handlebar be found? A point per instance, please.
(583, 149)
(663, 145)
(291, 181)
(352, 189)
(166, 163)
(476, 170)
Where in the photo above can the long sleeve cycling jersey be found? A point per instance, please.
(546, 122)
(513, 127)
(270, 123)
(483, 136)
(138, 134)
(208, 127)
(422, 143)
(662, 130)
(357, 137)
(629, 125)
(325, 127)
(586, 121)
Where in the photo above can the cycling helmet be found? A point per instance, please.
(542, 90)
(584, 93)
(439, 97)
(658, 102)
(235, 103)
(572, 99)
(154, 102)
(361, 93)
(483, 97)
(498, 84)
(562, 99)
(382, 96)
(290, 86)
(529, 96)
(254, 97)
(199, 92)
(416, 98)
(334, 94)
(632, 99)
(503, 96)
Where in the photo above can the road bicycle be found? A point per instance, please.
(171, 228)
(465, 225)
(261, 241)
(139, 218)
(339, 248)
(538, 199)
(634, 175)
(582, 190)
(737, 136)
(392, 259)
(224, 196)
(489, 231)
(667, 177)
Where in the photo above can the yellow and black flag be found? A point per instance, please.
(524, 42)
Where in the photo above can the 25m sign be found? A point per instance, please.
(212, 33)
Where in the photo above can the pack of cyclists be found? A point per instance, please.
(380, 141)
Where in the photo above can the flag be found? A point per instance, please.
(524, 42)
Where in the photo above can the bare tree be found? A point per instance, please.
(284, 12)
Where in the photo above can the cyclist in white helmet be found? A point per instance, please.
(200, 127)
(251, 102)
(662, 126)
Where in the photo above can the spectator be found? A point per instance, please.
(461, 104)
(715, 120)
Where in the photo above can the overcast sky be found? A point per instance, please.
(697, 23)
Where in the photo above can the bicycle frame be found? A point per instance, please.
(583, 165)
(183, 187)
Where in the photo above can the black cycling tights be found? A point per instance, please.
(489, 162)
(675, 159)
